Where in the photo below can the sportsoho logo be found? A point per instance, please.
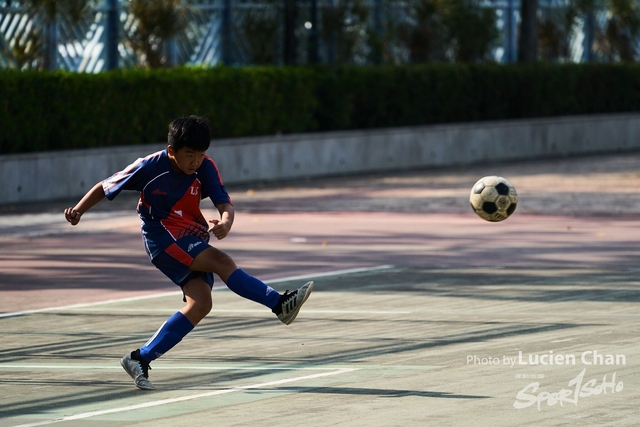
(579, 387)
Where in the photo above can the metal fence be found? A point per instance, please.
(244, 32)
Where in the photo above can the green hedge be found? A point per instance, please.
(42, 111)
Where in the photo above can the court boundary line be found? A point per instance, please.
(245, 310)
(172, 367)
(164, 294)
(186, 398)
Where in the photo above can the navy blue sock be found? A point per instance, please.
(170, 333)
(251, 288)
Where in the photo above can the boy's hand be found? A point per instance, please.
(219, 229)
(72, 215)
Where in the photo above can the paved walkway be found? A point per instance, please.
(423, 314)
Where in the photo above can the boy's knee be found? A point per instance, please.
(198, 298)
(205, 307)
(222, 259)
(203, 303)
(198, 310)
(215, 261)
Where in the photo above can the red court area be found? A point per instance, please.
(575, 213)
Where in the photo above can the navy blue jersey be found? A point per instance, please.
(169, 201)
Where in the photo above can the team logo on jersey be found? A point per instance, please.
(192, 245)
(194, 190)
(159, 192)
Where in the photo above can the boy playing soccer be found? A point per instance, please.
(171, 183)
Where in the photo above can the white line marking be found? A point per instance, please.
(173, 293)
(186, 398)
(91, 304)
(357, 311)
(222, 310)
(331, 273)
(537, 314)
(172, 367)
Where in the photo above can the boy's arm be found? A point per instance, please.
(221, 227)
(89, 200)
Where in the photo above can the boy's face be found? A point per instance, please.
(185, 159)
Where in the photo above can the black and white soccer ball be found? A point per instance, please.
(493, 198)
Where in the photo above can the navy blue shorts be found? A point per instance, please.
(175, 261)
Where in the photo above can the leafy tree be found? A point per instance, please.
(38, 46)
(345, 31)
(616, 40)
(261, 31)
(619, 39)
(155, 23)
(472, 31)
(450, 30)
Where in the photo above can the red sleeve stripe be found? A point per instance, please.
(215, 167)
(218, 172)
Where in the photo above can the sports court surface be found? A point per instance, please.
(422, 314)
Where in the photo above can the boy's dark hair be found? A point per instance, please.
(192, 132)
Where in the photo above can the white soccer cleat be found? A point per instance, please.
(138, 370)
(291, 302)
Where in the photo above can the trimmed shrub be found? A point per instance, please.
(41, 111)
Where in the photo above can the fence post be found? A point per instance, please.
(226, 33)
(171, 52)
(313, 33)
(51, 59)
(112, 35)
(589, 28)
(331, 39)
(290, 42)
(528, 40)
(510, 30)
(378, 13)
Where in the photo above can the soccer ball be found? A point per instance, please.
(493, 198)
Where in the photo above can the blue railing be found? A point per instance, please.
(216, 33)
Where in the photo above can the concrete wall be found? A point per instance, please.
(69, 174)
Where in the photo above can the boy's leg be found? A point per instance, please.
(286, 306)
(198, 296)
(197, 293)
(215, 261)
